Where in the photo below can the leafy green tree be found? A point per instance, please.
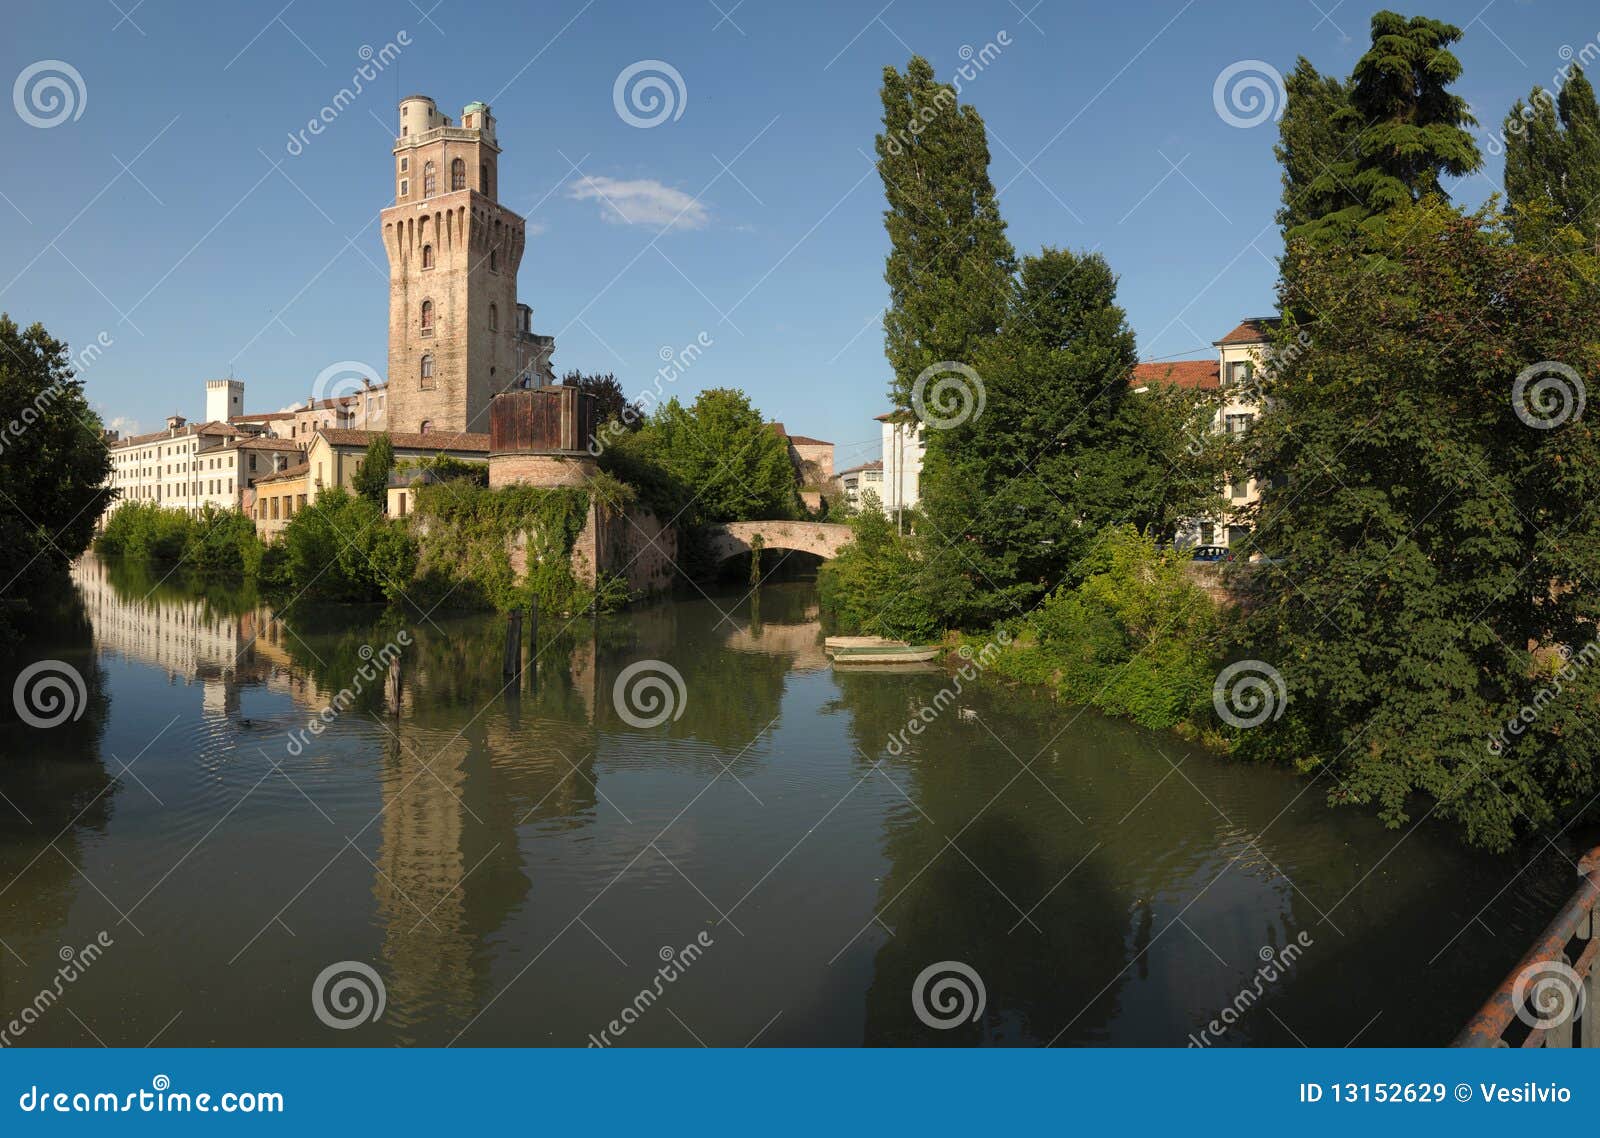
(1313, 137)
(341, 548)
(1553, 164)
(877, 586)
(372, 480)
(1432, 509)
(719, 450)
(53, 462)
(950, 263)
(1403, 130)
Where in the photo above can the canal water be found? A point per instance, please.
(744, 846)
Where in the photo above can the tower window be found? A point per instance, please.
(427, 318)
(427, 373)
(405, 187)
(427, 426)
(483, 178)
(405, 164)
(458, 175)
(430, 184)
(427, 256)
(494, 318)
(494, 260)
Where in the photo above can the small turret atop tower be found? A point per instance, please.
(434, 156)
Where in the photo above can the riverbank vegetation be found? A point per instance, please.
(53, 464)
(1427, 514)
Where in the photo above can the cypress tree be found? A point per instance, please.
(949, 261)
(1553, 163)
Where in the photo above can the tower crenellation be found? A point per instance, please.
(457, 334)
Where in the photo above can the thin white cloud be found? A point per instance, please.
(641, 201)
(124, 424)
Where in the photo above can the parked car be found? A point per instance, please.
(1212, 553)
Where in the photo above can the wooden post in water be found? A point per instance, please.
(513, 654)
(393, 685)
(533, 645)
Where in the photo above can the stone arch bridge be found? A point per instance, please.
(821, 539)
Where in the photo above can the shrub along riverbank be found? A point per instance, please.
(453, 552)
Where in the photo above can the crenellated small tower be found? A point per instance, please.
(457, 336)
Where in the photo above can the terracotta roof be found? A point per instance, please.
(436, 440)
(256, 443)
(875, 464)
(262, 418)
(1179, 373)
(282, 475)
(807, 441)
(184, 432)
(1256, 330)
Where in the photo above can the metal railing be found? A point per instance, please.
(1552, 997)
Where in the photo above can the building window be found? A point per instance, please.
(1241, 490)
(458, 175)
(430, 184)
(427, 256)
(405, 187)
(427, 427)
(1240, 372)
(483, 178)
(404, 163)
(494, 318)
(427, 318)
(427, 373)
(1238, 424)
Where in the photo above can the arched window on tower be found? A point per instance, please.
(427, 318)
(483, 178)
(458, 175)
(494, 318)
(494, 260)
(427, 373)
(427, 256)
(426, 428)
(430, 182)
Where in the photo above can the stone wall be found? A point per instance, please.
(633, 543)
(511, 469)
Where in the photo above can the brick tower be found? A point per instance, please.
(457, 335)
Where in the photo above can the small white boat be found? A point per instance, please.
(860, 650)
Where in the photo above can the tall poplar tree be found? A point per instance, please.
(1409, 130)
(1553, 163)
(950, 262)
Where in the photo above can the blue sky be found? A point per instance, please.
(170, 217)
